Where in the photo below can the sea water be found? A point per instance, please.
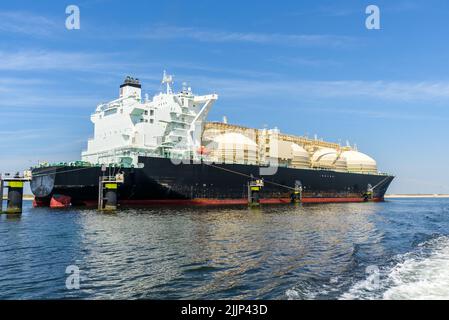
(398, 249)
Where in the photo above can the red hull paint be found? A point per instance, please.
(331, 200)
(37, 203)
(60, 201)
(212, 202)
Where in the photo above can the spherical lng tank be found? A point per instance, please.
(233, 147)
(358, 162)
(300, 157)
(328, 158)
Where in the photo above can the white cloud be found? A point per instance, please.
(173, 32)
(377, 113)
(333, 10)
(19, 94)
(385, 90)
(23, 134)
(25, 23)
(302, 61)
(52, 60)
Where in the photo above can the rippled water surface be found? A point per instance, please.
(393, 250)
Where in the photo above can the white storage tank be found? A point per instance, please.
(300, 157)
(328, 158)
(359, 162)
(233, 147)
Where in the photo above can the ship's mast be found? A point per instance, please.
(168, 80)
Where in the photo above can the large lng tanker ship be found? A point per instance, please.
(168, 153)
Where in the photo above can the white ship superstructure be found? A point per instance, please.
(173, 125)
(170, 124)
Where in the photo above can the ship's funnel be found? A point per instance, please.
(130, 87)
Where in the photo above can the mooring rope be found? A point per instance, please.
(382, 181)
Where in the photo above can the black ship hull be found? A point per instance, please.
(160, 181)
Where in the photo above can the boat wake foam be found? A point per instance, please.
(420, 274)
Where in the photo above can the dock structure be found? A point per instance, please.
(254, 188)
(296, 196)
(107, 191)
(14, 186)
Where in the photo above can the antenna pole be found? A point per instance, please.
(168, 80)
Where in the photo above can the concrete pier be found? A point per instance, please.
(108, 192)
(296, 195)
(14, 186)
(15, 197)
(254, 188)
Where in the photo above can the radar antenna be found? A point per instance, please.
(168, 80)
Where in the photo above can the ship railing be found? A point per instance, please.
(155, 155)
(282, 165)
(149, 153)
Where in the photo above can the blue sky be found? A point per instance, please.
(308, 67)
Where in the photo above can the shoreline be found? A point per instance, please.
(390, 196)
